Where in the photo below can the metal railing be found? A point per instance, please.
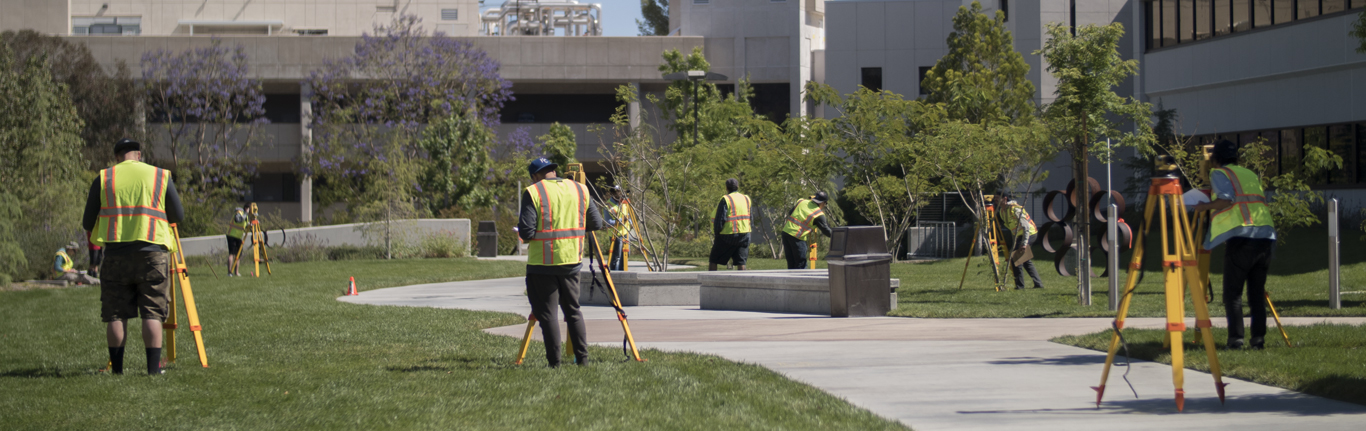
(932, 240)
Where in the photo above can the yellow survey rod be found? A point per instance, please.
(811, 255)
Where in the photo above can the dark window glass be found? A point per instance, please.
(772, 101)
(1005, 10)
(1358, 3)
(1154, 13)
(1361, 152)
(1222, 13)
(1261, 13)
(563, 108)
(274, 187)
(282, 108)
(1231, 137)
(1316, 137)
(1340, 143)
(1273, 143)
(1284, 11)
(1247, 138)
(1242, 15)
(924, 70)
(1334, 6)
(1186, 32)
(1169, 22)
(872, 78)
(1307, 9)
(1291, 153)
(1203, 19)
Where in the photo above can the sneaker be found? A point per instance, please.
(1258, 344)
(1234, 344)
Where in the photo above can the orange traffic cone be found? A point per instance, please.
(352, 290)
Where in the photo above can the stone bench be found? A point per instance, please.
(642, 288)
(781, 291)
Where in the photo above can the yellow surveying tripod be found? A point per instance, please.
(181, 277)
(574, 171)
(1181, 270)
(994, 247)
(258, 243)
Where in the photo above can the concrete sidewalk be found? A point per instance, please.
(932, 374)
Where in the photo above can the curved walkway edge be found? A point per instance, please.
(932, 374)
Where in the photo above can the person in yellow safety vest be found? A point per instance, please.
(1016, 219)
(803, 221)
(237, 228)
(1242, 220)
(555, 217)
(619, 218)
(730, 229)
(129, 210)
(65, 269)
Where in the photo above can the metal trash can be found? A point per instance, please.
(488, 239)
(860, 272)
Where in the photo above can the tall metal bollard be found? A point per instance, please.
(1334, 264)
(1112, 235)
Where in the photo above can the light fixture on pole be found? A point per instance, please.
(695, 76)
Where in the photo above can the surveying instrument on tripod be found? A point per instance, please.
(626, 224)
(258, 243)
(574, 172)
(995, 248)
(181, 277)
(1182, 270)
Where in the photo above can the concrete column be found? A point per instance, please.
(633, 109)
(305, 152)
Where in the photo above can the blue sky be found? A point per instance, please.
(618, 16)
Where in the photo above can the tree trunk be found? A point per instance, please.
(1083, 195)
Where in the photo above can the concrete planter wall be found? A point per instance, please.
(354, 234)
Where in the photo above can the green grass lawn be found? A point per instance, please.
(930, 289)
(284, 354)
(1326, 360)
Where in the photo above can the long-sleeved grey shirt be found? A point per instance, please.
(175, 213)
(526, 229)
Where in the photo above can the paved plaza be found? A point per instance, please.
(931, 374)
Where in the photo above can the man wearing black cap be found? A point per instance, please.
(129, 211)
(556, 216)
(801, 225)
(1242, 220)
(730, 229)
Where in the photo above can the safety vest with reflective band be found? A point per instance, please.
(801, 222)
(237, 229)
(133, 205)
(1248, 209)
(622, 215)
(1014, 213)
(737, 218)
(67, 264)
(560, 207)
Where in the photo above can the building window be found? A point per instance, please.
(107, 25)
(701, 1)
(924, 71)
(1172, 22)
(1005, 10)
(872, 78)
(450, 14)
(310, 31)
(274, 187)
(1286, 150)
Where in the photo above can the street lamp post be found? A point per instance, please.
(695, 76)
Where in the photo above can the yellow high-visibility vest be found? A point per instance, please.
(237, 229)
(1013, 214)
(1249, 203)
(737, 219)
(622, 214)
(560, 208)
(67, 263)
(133, 205)
(800, 222)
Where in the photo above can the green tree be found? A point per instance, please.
(105, 101)
(656, 14)
(982, 79)
(1359, 30)
(458, 148)
(41, 167)
(559, 144)
(1086, 109)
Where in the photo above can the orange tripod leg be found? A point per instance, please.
(526, 339)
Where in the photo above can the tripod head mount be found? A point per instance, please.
(1164, 166)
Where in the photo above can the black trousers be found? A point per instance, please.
(616, 263)
(1246, 261)
(544, 291)
(796, 252)
(1028, 266)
